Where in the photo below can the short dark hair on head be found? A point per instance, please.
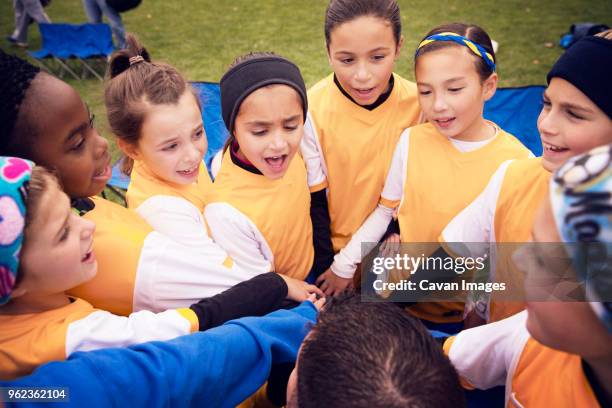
(342, 11)
(16, 76)
(470, 31)
(364, 355)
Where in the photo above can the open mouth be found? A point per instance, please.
(364, 92)
(104, 173)
(192, 172)
(444, 122)
(89, 257)
(276, 163)
(554, 149)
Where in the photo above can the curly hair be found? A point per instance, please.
(16, 76)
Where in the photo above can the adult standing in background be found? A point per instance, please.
(96, 8)
(26, 12)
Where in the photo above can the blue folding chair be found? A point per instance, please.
(63, 42)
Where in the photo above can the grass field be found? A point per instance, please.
(201, 37)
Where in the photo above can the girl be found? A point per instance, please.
(441, 166)
(259, 204)
(356, 114)
(557, 353)
(47, 249)
(158, 122)
(132, 258)
(576, 116)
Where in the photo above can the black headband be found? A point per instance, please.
(248, 76)
(586, 65)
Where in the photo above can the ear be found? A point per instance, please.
(329, 59)
(489, 86)
(398, 48)
(128, 149)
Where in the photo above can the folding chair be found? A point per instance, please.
(62, 42)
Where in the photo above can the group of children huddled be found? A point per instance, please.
(305, 178)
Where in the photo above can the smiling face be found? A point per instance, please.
(57, 254)
(570, 124)
(172, 142)
(269, 128)
(65, 137)
(362, 53)
(451, 93)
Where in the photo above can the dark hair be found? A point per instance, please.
(365, 354)
(471, 32)
(131, 87)
(16, 76)
(342, 11)
(237, 61)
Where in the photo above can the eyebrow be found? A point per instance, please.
(446, 82)
(264, 123)
(58, 236)
(568, 105)
(370, 51)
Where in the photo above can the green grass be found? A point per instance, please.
(202, 37)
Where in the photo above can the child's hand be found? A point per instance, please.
(299, 290)
(318, 303)
(332, 284)
(390, 247)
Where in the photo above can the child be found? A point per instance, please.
(157, 119)
(132, 258)
(259, 204)
(376, 356)
(576, 116)
(441, 166)
(356, 115)
(556, 353)
(47, 249)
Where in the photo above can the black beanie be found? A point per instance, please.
(248, 76)
(587, 65)
(15, 78)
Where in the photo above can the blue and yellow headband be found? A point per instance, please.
(581, 199)
(15, 174)
(476, 48)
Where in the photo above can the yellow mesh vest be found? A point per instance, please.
(523, 190)
(118, 240)
(279, 208)
(357, 146)
(440, 182)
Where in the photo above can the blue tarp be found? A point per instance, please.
(515, 110)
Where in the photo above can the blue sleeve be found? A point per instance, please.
(219, 367)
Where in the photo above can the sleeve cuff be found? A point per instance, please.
(191, 317)
(389, 203)
(318, 187)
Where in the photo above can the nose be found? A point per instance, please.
(546, 123)
(278, 141)
(362, 74)
(101, 145)
(193, 154)
(87, 227)
(439, 104)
